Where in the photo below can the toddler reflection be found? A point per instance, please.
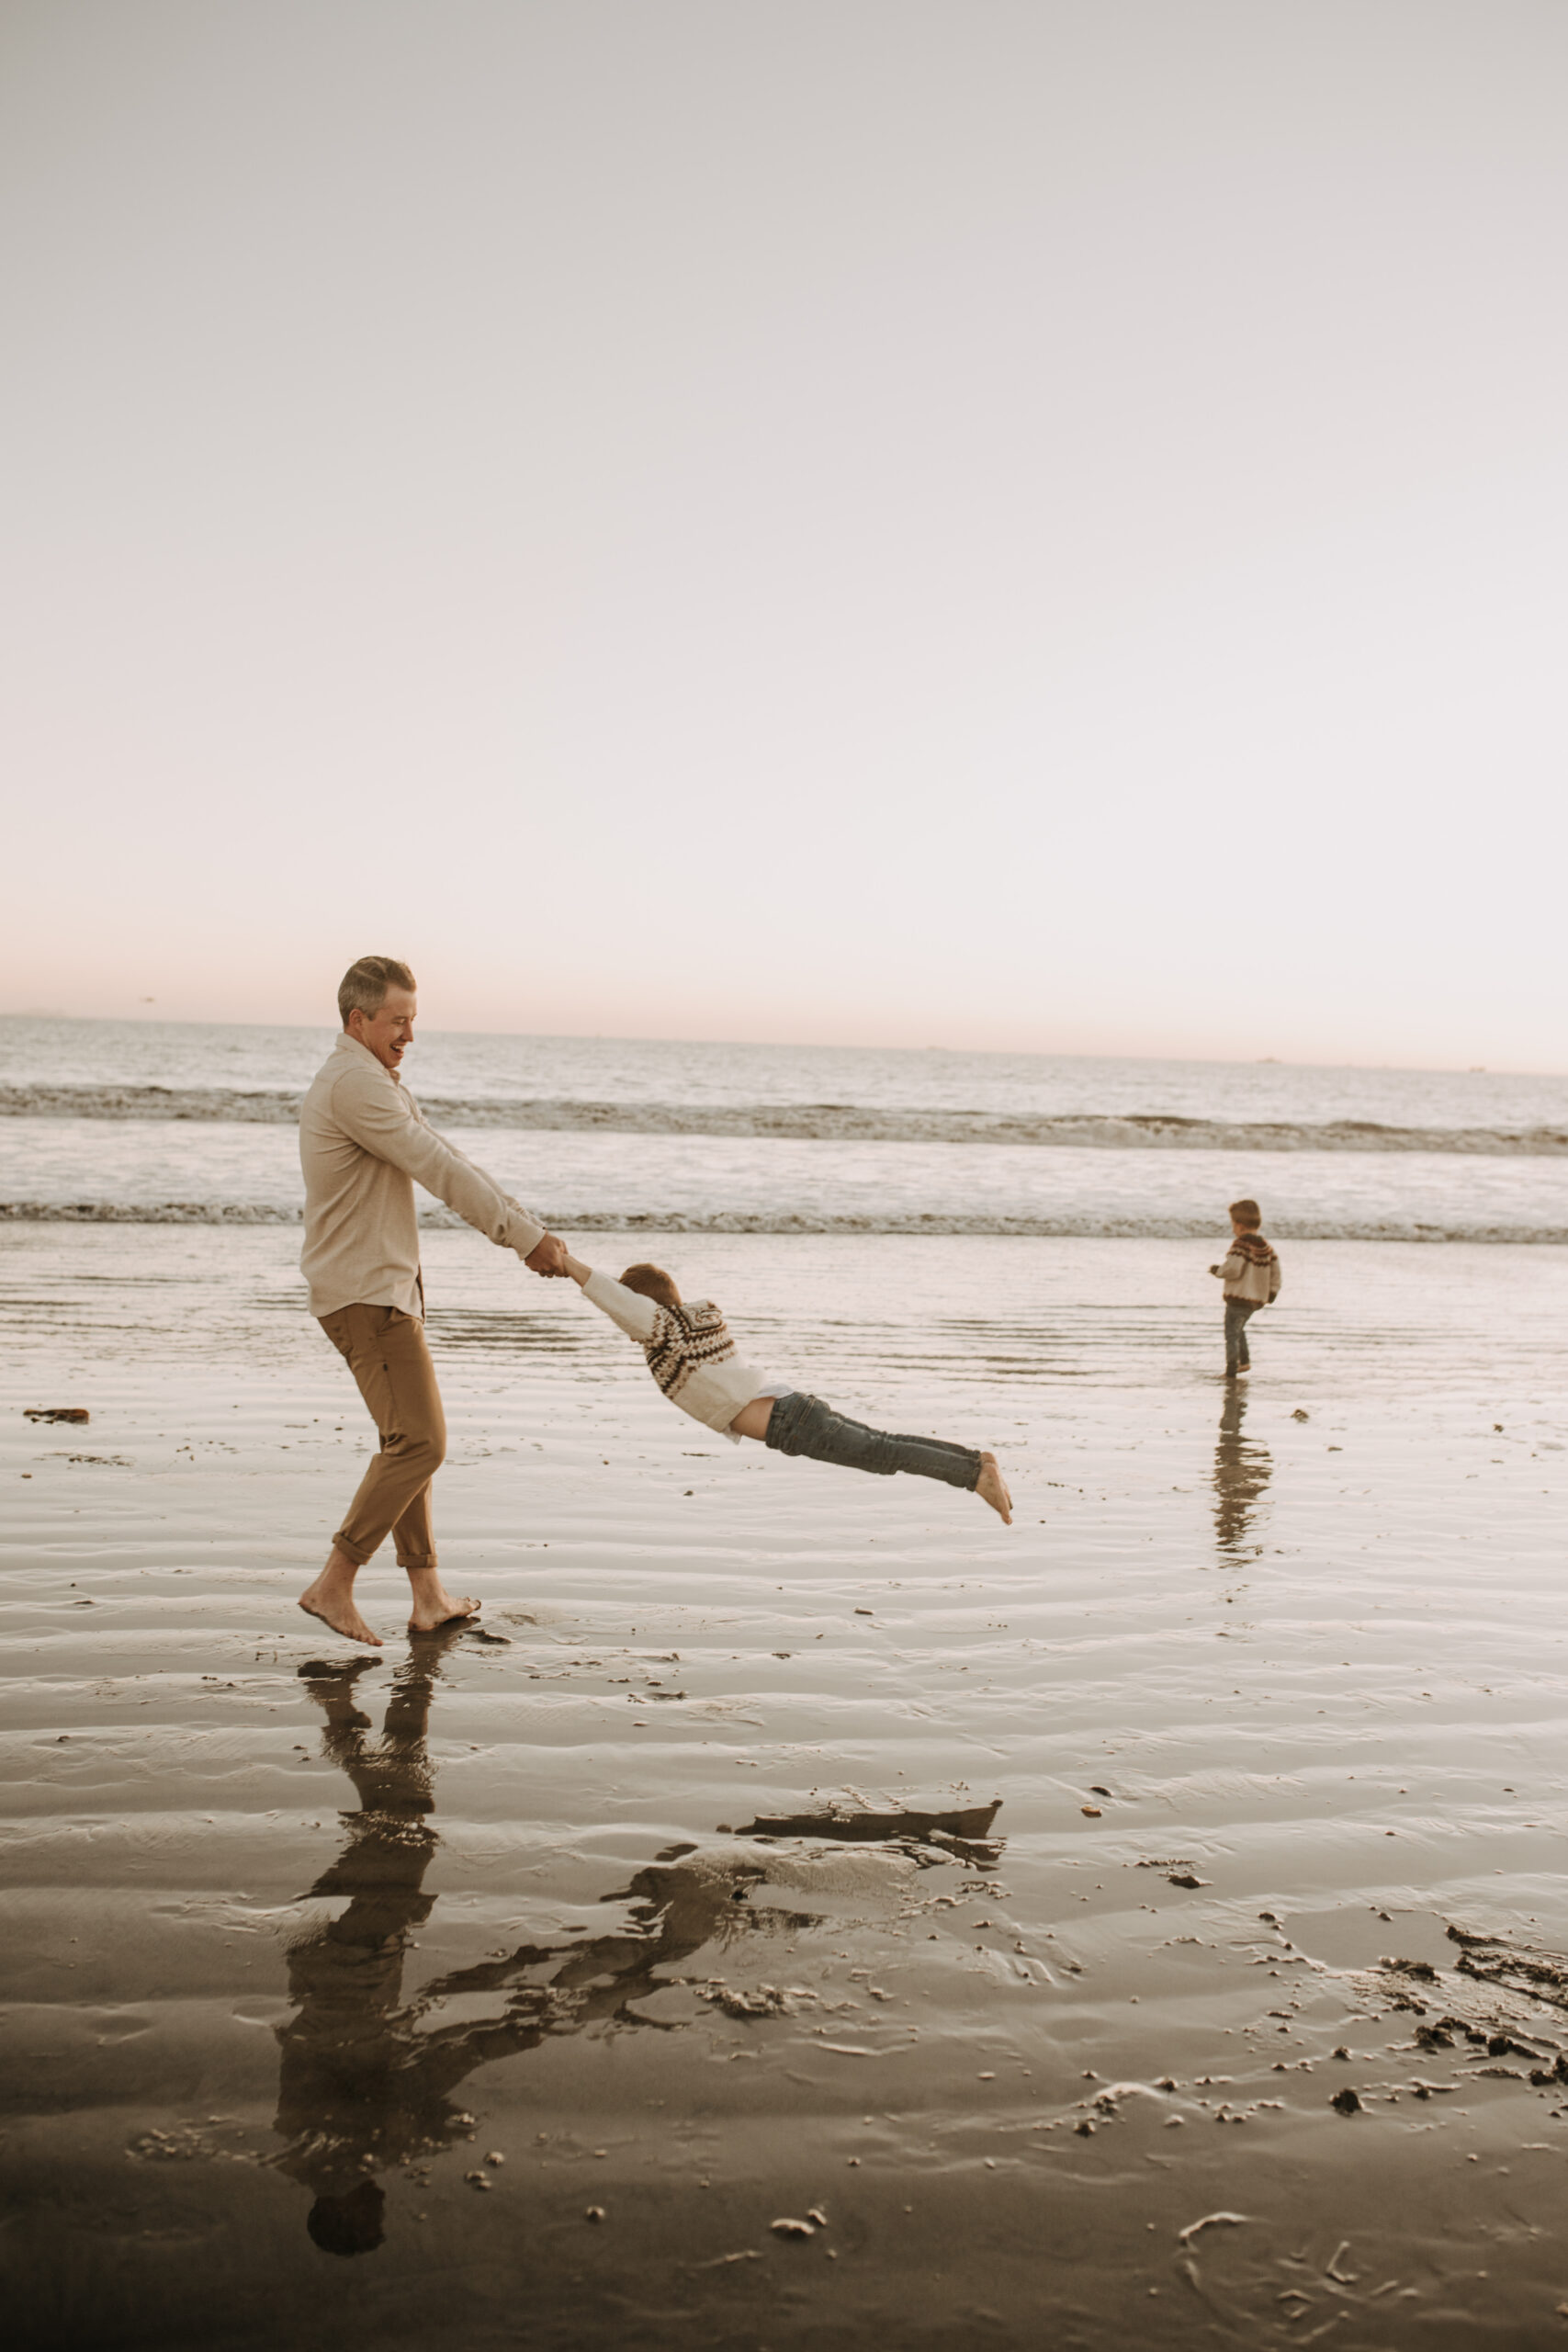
(1243, 1469)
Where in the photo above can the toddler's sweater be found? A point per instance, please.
(1251, 1271)
(689, 1351)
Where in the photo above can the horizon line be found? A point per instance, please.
(1012, 1053)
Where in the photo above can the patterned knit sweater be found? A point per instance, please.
(1251, 1270)
(689, 1351)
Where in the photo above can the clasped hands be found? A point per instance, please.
(548, 1257)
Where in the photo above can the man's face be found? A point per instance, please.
(388, 1030)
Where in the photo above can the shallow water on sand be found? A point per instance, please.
(790, 1842)
(162, 1170)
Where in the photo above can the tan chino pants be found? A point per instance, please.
(385, 1350)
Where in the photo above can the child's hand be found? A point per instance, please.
(576, 1269)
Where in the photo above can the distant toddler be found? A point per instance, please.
(692, 1358)
(1251, 1276)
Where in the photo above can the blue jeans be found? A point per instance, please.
(802, 1424)
(1237, 1311)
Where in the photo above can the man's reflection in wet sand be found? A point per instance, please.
(365, 2085)
(1242, 1471)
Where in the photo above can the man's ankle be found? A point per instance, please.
(338, 1566)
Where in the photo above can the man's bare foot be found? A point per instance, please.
(432, 1604)
(992, 1489)
(331, 1599)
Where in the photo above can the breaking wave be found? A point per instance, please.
(809, 1122)
(1041, 1228)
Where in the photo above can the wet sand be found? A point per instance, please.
(790, 1846)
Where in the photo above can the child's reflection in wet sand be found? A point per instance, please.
(365, 2086)
(1243, 1469)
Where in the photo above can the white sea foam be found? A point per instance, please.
(807, 1122)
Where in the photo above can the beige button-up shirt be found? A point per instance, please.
(364, 1144)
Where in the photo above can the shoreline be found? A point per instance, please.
(1311, 1664)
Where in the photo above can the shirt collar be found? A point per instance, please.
(344, 1044)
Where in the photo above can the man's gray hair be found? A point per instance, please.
(364, 985)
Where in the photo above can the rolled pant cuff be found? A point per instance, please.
(350, 1550)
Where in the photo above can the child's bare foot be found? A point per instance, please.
(432, 1604)
(331, 1599)
(992, 1489)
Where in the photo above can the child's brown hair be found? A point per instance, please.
(651, 1282)
(1246, 1213)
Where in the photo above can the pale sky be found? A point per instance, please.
(963, 522)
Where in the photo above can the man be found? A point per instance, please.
(363, 1143)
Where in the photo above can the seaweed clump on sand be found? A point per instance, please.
(960, 1835)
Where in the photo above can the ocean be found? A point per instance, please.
(191, 1123)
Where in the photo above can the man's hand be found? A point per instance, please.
(548, 1257)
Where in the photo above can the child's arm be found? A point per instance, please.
(1230, 1271)
(635, 1315)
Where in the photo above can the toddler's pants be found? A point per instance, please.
(1237, 1311)
(802, 1424)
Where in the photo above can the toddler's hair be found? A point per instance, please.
(651, 1282)
(1246, 1213)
